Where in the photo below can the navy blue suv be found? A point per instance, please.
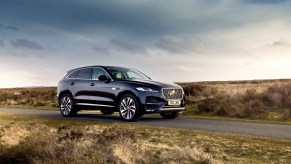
(117, 89)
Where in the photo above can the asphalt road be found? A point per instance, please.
(234, 127)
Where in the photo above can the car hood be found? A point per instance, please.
(151, 83)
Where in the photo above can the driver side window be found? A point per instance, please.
(133, 75)
(97, 72)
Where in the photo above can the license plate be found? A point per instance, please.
(174, 102)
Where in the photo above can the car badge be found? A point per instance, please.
(172, 92)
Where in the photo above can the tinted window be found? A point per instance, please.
(73, 75)
(84, 73)
(125, 73)
(97, 72)
(133, 75)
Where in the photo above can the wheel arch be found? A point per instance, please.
(63, 93)
(119, 96)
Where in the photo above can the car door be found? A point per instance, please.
(102, 93)
(79, 86)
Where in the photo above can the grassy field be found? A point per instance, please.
(28, 139)
(258, 100)
(254, 100)
(40, 97)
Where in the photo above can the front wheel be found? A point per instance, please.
(67, 106)
(170, 115)
(129, 108)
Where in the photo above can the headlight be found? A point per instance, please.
(145, 89)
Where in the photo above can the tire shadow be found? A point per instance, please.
(116, 118)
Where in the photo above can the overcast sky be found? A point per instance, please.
(182, 40)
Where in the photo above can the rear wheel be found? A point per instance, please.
(106, 112)
(67, 106)
(129, 108)
(170, 115)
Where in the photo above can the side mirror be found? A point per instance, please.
(103, 78)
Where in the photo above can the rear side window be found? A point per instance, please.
(73, 75)
(84, 73)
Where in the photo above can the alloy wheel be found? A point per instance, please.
(66, 105)
(127, 108)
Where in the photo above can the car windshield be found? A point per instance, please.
(126, 73)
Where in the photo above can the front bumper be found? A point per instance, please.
(158, 104)
(172, 109)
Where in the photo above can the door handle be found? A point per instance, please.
(92, 84)
(72, 83)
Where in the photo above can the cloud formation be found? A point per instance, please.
(143, 19)
(266, 1)
(128, 47)
(24, 43)
(11, 28)
(196, 40)
(1, 43)
(282, 43)
(183, 68)
(179, 45)
(101, 50)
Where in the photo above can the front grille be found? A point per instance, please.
(172, 93)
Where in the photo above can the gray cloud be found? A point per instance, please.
(266, 1)
(128, 47)
(90, 15)
(8, 27)
(26, 44)
(11, 28)
(1, 43)
(103, 51)
(180, 45)
(222, 29)
(142, 18)
(281, 43)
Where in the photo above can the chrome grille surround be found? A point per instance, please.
(172, 93)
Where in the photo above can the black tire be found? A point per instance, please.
(67, 106)
(170, 115)
(128, 108)
(106, 112)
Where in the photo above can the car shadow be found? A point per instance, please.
(115, 117)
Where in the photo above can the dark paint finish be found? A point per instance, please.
(106, 92)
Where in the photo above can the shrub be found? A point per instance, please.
(29, 96)
(251, 104)
(94, 144)
(254, 109)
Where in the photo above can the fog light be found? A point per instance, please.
(153, 100)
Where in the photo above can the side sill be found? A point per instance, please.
(101, 105)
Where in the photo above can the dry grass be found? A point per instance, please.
(257, 99)
(51, 140)
(33, 97)
(33, 142)
(261, 100)
(231, 87)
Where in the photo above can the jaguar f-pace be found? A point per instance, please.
(117, 89)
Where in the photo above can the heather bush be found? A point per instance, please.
(90, 144)
(34, 97)
(242, 99)
(275, 100)
(193, 90)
